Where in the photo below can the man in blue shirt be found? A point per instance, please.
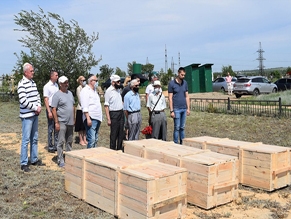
(179, 103)
(131, 109)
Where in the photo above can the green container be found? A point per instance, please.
(136, 68)
(205, 77)
(193, 78)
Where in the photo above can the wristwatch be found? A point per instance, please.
(171, 111)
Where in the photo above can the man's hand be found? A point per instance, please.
(57, 126)
(89, 122)
(37, 112)
(108, 122)
(50, 115)
(188, 112)
(172, 115)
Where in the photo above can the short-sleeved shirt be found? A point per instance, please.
(131, 102)
(179, 93)
(153, 98)
(49, 90)
(64, 104)
(113, 99)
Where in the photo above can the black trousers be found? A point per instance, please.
(116, 129)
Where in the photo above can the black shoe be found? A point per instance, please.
(51, 151)
(25, 168)
(38, 163)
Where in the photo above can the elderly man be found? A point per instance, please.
(92, 110)
(49, 90)
(64, 117)
(30, 108)
(132, 110)
(114, 112)
(150, 87)
(156, 105)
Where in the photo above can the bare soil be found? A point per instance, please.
(40, 193)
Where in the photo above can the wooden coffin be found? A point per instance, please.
(212, 177)
(260, 166)
(128, 186)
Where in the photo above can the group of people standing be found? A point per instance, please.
(122, 110)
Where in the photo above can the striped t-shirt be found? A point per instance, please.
(29, 98)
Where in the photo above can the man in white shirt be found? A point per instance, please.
(150, 87)
(92, 110)
(49, 90)
(156, 105)
(114, 112)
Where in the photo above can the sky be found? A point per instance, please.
(220, 32)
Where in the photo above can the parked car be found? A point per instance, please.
(254, 85)
(219, 84)
(283, 84)
(107, 83)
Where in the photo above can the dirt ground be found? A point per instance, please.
(251, 203)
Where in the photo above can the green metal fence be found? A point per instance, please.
(272, 108)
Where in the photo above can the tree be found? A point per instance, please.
(119, 72)
(226, 69)
(55, 44)
(105, 72)
(165, 78)
(147, 69)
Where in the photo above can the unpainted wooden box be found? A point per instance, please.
(219, 145)
(212, 177)
(75, 164)
(201, 142)
(128, 186)
(265, 166)
(260, 166)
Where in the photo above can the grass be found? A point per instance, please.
(285, 97)
(40, 194)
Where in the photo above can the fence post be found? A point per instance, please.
(280, 106)
(228, 103)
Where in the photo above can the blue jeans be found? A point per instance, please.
(92, 132)
(29, 135)
(51, 133)
(179, 125)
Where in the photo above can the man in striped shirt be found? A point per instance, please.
(30, 108)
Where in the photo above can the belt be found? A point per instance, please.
(133, 112)
(158, 112)
(115, 110)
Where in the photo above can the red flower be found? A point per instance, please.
(147, 130)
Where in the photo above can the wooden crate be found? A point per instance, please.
(200, 142)
(260, 166)
(265, 166)
(212, 177)
(75, 164)
(131, 187)
(223, 145)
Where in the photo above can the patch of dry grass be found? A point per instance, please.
(41, 194)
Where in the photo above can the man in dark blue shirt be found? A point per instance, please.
(179, 103)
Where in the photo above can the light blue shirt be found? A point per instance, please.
(131, 101)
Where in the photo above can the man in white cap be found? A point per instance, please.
(64, 117)
(114, 112)
(156, 105)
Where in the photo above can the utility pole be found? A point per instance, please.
(179, 59)
(166, 60)
(261, 58)
(173, 65)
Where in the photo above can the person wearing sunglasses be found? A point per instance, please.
(114, 112)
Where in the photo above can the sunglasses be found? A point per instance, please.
(94, 80)
(117, 81)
